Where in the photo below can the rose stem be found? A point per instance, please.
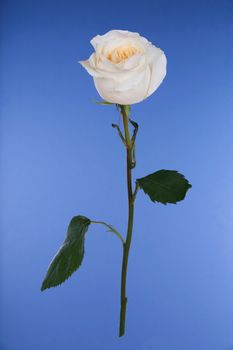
(130, 222)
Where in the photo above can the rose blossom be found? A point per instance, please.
(125, 66)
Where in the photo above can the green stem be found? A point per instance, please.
(111, 229)
(135, 191)
(130, 222)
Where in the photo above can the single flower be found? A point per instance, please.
(126, 69)
(125, 66)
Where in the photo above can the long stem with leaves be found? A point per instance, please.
(162, 186)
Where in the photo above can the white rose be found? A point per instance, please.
(125, 66)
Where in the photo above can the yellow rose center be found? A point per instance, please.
(121, 53)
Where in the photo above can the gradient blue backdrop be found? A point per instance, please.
(60, 157)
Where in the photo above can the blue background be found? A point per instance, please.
(60, 157)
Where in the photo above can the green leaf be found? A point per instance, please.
(70, 255)
(165, 186)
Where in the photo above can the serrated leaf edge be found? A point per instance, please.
(162, 202)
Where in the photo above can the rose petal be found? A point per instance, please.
(158, 66)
